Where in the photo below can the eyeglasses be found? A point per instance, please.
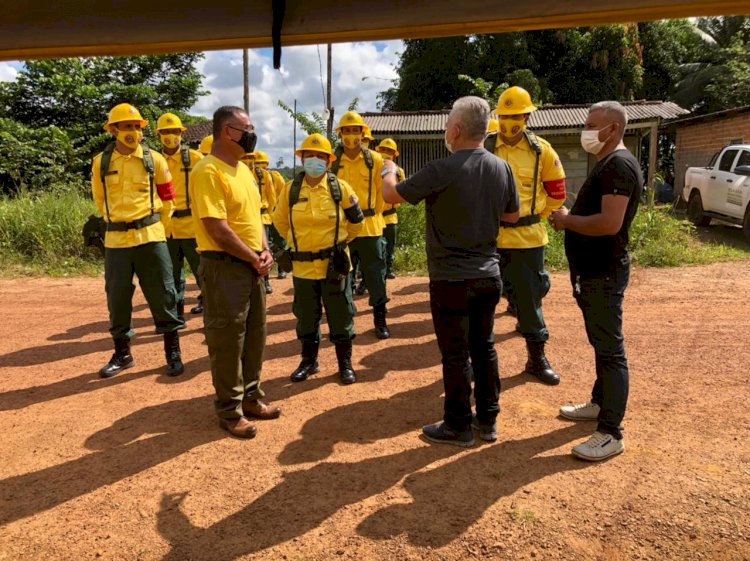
(250, 128)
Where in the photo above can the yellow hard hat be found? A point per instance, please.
(206, 144)
(317, 143)
(124, 112)
(515, 101)
(169, 121)
(260, 157)
(367, 133)
(492, 126)
(350, 119)
(388, 143)
(248, 157)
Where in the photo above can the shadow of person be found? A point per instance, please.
(301, 502)
(449, 499)
(418, 307)
(364, 422)
(131, 445)
(418, 288)
(99, 327)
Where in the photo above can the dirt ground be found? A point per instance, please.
(136, 467)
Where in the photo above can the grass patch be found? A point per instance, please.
(524, 517)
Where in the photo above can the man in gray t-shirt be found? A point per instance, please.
(466, 197)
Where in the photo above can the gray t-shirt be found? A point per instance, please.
(465, 195)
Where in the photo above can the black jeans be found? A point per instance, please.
(600, 299)
(463, 313)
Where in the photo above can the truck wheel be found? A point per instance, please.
(746, 224)
(695, 210)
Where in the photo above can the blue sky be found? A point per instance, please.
(359, 70)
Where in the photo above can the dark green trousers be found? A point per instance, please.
(181, 250)
(369, 254)
(527, 283)
(234, 316)
(151, 263)
(274, 237)
(310, 296)
(389, 233)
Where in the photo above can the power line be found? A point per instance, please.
(322, 88)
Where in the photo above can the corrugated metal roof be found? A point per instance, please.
(545, 118)
(196, 133)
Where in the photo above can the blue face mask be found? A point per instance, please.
(315, 167)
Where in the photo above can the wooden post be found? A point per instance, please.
(653, 159)
(246, 79)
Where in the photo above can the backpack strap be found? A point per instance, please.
(294, 190)
(148, 163)
(335, 188)
(370, 164)
(337, 162)
(104, 170)
(537, 148)
(185, 153)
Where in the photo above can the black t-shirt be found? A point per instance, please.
(617, 174)
(465, 195)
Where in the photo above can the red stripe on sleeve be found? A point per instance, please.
(166, 191)
(555, 189)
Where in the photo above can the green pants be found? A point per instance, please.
(369, 254)
(389, 233)
(181, 250)
(527, 283)
(234, 316)
(309, 298)
(274, 237)
(151, 263)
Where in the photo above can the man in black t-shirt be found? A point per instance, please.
(466, 196)
(596, 240)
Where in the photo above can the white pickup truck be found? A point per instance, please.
(721, 189)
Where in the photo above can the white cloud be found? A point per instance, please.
(359, 70)
(8, 71)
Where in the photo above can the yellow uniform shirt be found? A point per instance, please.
(522, 159)
(355, 173)
(278, 182)
(181, 228)
(314, 218)
(129, 196)
(218, 190)
(393, 218)
(267, 193)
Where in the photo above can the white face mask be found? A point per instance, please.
(590, 141)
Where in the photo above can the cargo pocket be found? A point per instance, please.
(544, 283)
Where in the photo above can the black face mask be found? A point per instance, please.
(247, 141)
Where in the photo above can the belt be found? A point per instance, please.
(313, 255)
(389, 212)
(182, 213)
(135, 224)
(264, 211)
(369, 212)
(524, 221)
(223, 256)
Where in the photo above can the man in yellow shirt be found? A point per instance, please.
(540, 179)
(234, 258)
(362, 168)
(367, 137)
(262, 161)
(180, 232)
(324, 216)
(132, 188)
(267, 198)
(389, 150)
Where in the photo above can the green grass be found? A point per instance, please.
(40, 234)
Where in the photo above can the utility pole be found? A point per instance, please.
(294, 147)
(329, 131)
(246, 78)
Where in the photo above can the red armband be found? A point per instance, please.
(555, 189)
(166, 191)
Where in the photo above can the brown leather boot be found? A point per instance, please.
(256, 408)
(240, 428)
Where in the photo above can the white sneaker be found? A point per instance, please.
(599, 447)
(581, 412)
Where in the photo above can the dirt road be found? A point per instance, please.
(136, 468)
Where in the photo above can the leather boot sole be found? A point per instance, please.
(295, 377)
(104, 374)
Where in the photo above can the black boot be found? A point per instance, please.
(361, 288)
(121, 360)
(344, 357)
(181, 310)
(309, 364)
(199, 308)
(538, 365)
(172, 354)
(267, 284)
(381, 329)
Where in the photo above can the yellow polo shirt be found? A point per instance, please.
(128, 197)
(229, 193)
(314, 218)
(355, 173)
(393, 218)
(267, 193)
(278, 182)
(521, 159)
(181, 228)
